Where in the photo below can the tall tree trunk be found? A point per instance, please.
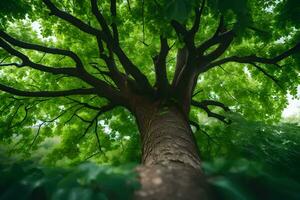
(171, 164)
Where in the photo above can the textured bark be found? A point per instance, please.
(171, 164)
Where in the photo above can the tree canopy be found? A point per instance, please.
(68, 70)
(43, 42)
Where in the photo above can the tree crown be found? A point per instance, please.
(70, 62)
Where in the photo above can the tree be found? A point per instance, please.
(159, 60)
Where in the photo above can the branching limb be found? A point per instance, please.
(27, 108)
(71, 19)
(75, 115)
(221, 37)
(133, 70)
(45, 122)
(223, 40)
(7, 106)
(114, 73)
(101, 111)
(14, 115)
(43, 56)
(196, 93)
(221, 27)
(81, 118)
(40, 48)
(87, 129)
(183, 33)
(27, 62)
(129, 7)
(100, 18)
(227, 39)
(215, 39)
(256, 59)
(103, 88)
(189, 35)
(60, 115)
(267, 74)
(204, 105)
(64, 93)
(114, 46)
(84, 27)
(84, 104)
(195, 61)
(214, 103)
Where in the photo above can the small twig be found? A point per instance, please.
(36, 135)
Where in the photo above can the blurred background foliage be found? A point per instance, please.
(25, 180)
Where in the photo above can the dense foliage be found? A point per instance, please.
(255, 157)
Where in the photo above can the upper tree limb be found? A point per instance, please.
(61, 93)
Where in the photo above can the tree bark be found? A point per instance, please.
(171, 164)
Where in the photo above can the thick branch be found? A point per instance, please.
(56, 51)
(181, 59)
(100, 18)
(113, 11)
(188, 36)
(186, 78)
(71, 19)
(221, 27)
(216, 39)
(220, 36)
(253, 58)
(220, 49)
(133, 70)
(103, 88)
(160, 66)
(198, 13)
(113, 73)
(113, 45)
(182, 32)
(26, 62)
(47, 93)
(180, 29)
